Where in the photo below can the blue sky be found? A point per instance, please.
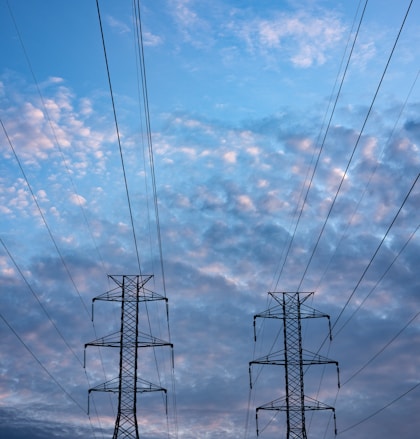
(240, 94)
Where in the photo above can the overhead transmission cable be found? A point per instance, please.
(39, 302)
(384, 236)
(356, 144)
(139, 32)
(57, 144)
(41, 365)
(391, 135)
(323, 142)
(328, 125)
(138, 44)
(54, 133)
(51, 321)
(381, 409)
(60, 386)
(49, 231)
(43, 217)
(375, 252)
(392, 262)
(138, 21)
(382, 349)
(118, 137)
(386, 271)
(378, 281)
(149, 134)
(367, 363)
(30, 187)
(319, 135)
(361, 304)
(369, 264)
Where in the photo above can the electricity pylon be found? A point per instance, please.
(291, 310)
(130, 291)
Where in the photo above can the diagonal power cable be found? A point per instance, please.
(140, 45)
(40, 363)
(322, 144)
(54, 133)
(118, 136)
(381, 409)
(379, 280)
(39, 302)
(376, 252)
(356, 144)
(43, 218)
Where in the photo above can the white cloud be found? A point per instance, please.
(184, 14)
(263, 183)
(56, 129)
(51, 80)
(230, 157)
(245, 202)
(370, 148)
(363, 53)
(253, 150)
(194, 29)
(304, 38)
(77, 200)
(86, 107)
(150, 39)
(41, 195)
(117, 25)
(4, 209)
(225, 229)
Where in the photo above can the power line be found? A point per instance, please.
(343, 234)
(378, 281)
(383, 275)
(41, 365)
(43, 217)
(380, 410)
(321, 149)
(394, 259)
(321, 146)
(39, 302)
(118, 136)
(376, 252)
(361, 304)
(50, 232)
(356, 144)
(140, 45)
(48, 316)
(139, 41)
(382, 349)
(324, 137)
(371, 261)
(53, 131)
(365, 365)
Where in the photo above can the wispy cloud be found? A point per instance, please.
(304, 39)
(229, 189)
(117, 25)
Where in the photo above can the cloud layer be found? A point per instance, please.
(240, 213)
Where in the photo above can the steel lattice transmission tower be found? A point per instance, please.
(291, 310)
(131, 292)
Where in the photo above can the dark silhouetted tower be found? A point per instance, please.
(291, 310)
(131, 292)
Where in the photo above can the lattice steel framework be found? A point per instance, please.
(130, 291)
(291, 310)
